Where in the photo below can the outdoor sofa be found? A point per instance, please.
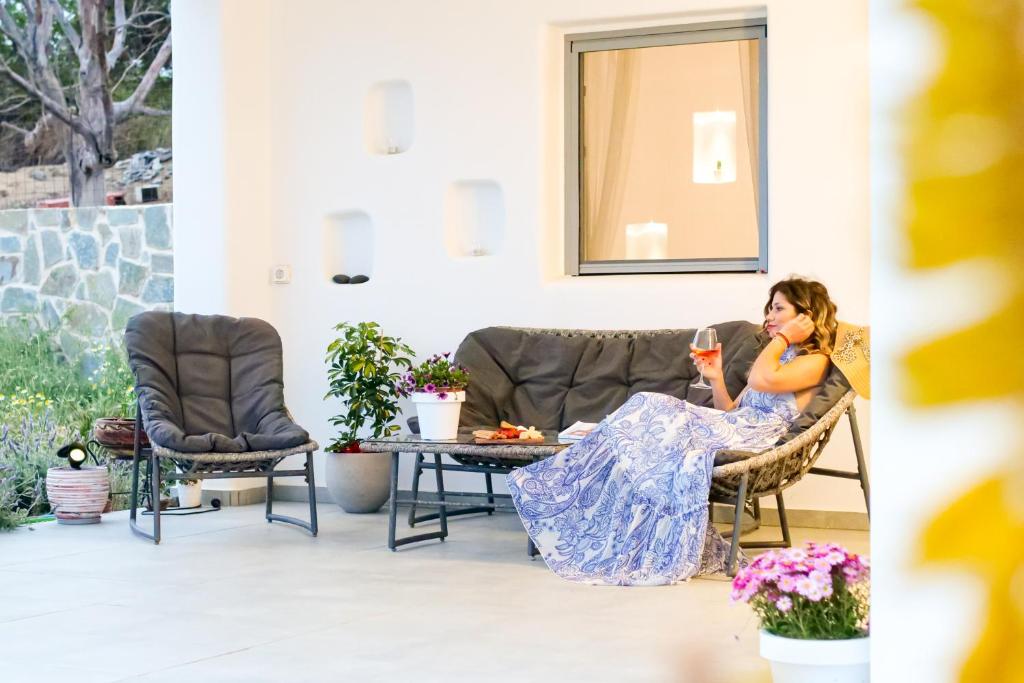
(552, 378)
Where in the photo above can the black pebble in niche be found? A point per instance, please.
(358, 279)
(340, 279)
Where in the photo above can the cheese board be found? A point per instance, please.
(508, 434)
(508, 441)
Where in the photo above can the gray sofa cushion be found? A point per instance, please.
(210, 383)
(832, 389)
(552, 379)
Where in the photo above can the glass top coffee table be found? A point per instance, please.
(472, 457)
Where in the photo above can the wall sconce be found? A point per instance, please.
(646, 241)
(714, 147)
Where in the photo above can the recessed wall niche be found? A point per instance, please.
(390, 122)
(348, 246)
(474, 218)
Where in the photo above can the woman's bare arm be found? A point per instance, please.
(722, 399)
(770, 375)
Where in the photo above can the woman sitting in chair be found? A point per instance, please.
(628, 505)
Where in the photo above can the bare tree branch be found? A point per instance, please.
(10, 28)
(160, 18)
(152, 111)
(50, 105)
(131, 105)
(120, 29)
(149, 24)
(8, 124)
(18, 103)
(69, 31)
(129, 67)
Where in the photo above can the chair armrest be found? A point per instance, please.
(729, 456)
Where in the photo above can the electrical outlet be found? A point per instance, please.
(281, 275)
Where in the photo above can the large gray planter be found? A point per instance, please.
(359, 482)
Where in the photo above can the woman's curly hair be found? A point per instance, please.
(811, 298)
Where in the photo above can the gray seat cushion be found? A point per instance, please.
(210, 383)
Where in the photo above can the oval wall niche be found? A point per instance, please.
(348, 247)
(474, 218)
(389, 125)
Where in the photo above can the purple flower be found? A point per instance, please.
(430, 388)
(442, 395)
(447, 353)
(784, 604)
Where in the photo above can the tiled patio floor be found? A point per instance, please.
(227, 597)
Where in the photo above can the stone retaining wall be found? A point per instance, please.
(86, 271)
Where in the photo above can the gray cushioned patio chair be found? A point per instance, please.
(211, 396)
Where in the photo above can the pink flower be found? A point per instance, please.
(836, 557)
(821, 564)
(809, 588)
(822, 582)
(784, 604)
(787, 584)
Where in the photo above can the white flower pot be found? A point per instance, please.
(439, 418)
(189, 495)
(817, 661)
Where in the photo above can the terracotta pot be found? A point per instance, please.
(77, 496)
(117, 432)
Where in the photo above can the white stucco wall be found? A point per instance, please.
(487, 83)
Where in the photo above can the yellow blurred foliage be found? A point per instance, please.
(965, 163)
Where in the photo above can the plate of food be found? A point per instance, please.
(509, 433)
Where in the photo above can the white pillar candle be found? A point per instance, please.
(646, 241)
(714, 147)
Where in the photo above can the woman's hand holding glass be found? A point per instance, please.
(709, 363)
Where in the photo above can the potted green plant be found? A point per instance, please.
(813, 606)
(190, 492)
(363, 372)
(114, 388)
(438, 388)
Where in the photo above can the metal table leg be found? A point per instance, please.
(393, 541)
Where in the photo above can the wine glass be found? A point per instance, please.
(706, 341)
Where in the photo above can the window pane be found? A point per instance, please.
(670, 152)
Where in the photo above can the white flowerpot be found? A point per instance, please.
(439, 418)
(189, 495)
(817, 661)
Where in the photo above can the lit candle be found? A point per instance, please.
(714, 147)
(646, 241)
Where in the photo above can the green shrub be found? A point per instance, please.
(46, 401)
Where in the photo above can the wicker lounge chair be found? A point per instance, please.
(552, 378)
(742, 478)
(210, 395)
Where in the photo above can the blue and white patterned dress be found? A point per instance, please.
(628, 504)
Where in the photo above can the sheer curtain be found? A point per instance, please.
(749, 76)
(609, 104)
